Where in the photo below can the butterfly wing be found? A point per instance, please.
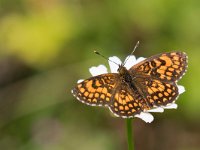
(126, 103)
(97, 90)
(159, 93)
(166, 66)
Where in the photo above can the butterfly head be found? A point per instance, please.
(122, 70)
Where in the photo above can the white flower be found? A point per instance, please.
(130, 61)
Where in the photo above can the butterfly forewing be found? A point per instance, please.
(97, 90)
(166, 66)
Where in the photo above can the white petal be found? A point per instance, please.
(101, 69)
(80, 80)
(181, 89)
(130, 61)
(171, 106)
(147, 117)
(140, 59)
(113, 66)
(156, 109)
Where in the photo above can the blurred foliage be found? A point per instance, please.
(47, 45)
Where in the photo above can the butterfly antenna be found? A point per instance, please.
(136, 45)
(105, 57)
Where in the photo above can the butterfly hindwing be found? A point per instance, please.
(160, 93)
(127, 103)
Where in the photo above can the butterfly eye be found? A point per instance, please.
(118, 70)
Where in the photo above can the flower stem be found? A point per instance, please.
(129, 134)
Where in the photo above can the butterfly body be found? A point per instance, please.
(126, 77)
(148, 84)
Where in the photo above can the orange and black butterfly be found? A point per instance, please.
(150, 83)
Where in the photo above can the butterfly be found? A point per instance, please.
(148, 84)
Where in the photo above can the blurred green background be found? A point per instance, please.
(47, 45)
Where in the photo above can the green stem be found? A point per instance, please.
(129, 134)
